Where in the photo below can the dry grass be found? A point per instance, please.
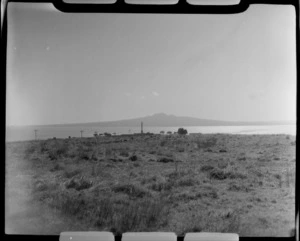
(214, 183)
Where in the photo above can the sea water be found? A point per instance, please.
(22, 133)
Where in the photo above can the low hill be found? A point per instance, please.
(162, 119)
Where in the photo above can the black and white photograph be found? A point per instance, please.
(143, 122)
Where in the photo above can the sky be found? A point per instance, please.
(78, 67)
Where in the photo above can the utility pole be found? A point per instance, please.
(141, 127)
(81, 133)
(35, 134)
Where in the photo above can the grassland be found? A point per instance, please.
(212, 182)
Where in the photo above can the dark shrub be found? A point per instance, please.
(165, 160)
(182, 131)
(133, 158)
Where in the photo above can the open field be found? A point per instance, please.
(201, 182)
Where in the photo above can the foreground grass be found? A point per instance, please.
(214, 183)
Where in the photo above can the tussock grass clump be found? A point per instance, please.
(69, 173)
(40, 185)
(187, 196)
(206, 168)
(224, 221)
(124, 153)
(157, 183)
(57, 167)
(206, 143)
(143, 215)
(224, 174)
(57, 149)
(70, 203)
(85, 152)
(162, 185)
(44, 190)
(78, 183)
(110, 213)
(177, 174)
(242, 158)
(238, 187)
(180, 149)
(131, 190)
(108, 152)
(163, 142)
(209, 193)
(187, 181)
(222, 164)
(30, 149)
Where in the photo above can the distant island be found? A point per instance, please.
(165, 120)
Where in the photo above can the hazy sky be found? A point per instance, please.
(68, 67)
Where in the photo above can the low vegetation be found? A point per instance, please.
(180, 183)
